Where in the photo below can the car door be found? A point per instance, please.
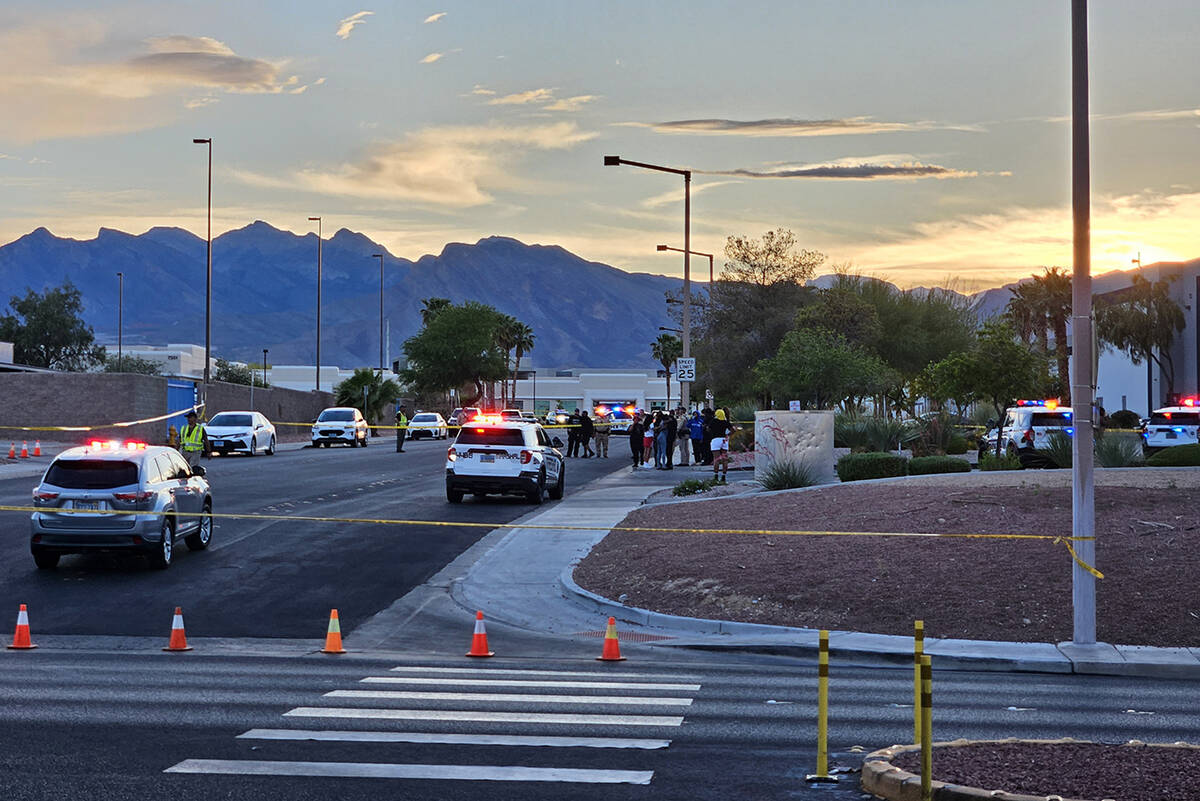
(550, 455)
(188, 493)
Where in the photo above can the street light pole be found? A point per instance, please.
(380, 257)
(208, 272)
(264, 368)
(120, 320)
(318, 222)
(616, 161)
(694, 253)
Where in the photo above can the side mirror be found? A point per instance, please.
(556, 442)
(199, 471)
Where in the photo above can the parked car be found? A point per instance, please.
(1172, 425)
(1027, 428)
(343, 424)
(502, 457)
(158, 499)
(244, 432)
(428, 424)
(510, 414)
(464, 414)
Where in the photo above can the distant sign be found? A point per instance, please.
(708, 394)
(685, 370)
(794, 406)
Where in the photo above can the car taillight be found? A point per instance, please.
(133, 497)
(41, 496)
(526, 457)
(450, 454)
(1028, 436)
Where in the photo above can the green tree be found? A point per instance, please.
(842, 312)
(47, 330)
(368, 392)
(998, 369)
(1142, 322)
(821, 369)
(132, 364)
(522, 342)
(232, 373)
(1042, 307)
(430, 307)
(665, 350)
(456, 348)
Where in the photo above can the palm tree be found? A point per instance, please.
(666, 349)
(369, 393)
(505, 336)
(522, 343)
(1022, 311)
(1055, 292)
(431, 306)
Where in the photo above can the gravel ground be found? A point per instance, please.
(1148, 529)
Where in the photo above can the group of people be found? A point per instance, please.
(582, 430)
(704, 433)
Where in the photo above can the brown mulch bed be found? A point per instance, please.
(1148, 546)
(1071, 770)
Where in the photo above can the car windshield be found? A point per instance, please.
(336, 416)
(228, 419)
(425, 418)
(1052, 419)
(510, 414)
(490, 436)
(91, 474)
(1175, 419)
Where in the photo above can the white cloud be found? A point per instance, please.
(432, 57)
(783, 127)
(349, 23)
(456, 166)
(188, 44)
(571, 103)
(675, 196)
(200, 102)
(1149, 115)
(864, 168)
(481, 90)
(523, 98)
(434, 17)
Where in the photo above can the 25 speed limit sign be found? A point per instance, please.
(685, 370)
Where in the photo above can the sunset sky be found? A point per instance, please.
(921, 141)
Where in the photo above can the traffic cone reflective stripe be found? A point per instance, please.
(24, 450)
(612, 648)
(479, 643)
(178, 636)
(37, 448)
(333, 637)
(21, 641)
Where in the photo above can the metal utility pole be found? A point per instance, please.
(208, 279)
(381, 337)
(120, 320)
(317, 220)
(1083, 501)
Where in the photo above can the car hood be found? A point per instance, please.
(227, 431)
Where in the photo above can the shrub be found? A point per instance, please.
(693, 486)
(1123, 418)
(743, 412)
(930, 436)
(848, 432)
(787, 474)
(1057, 452)
(1177, 456)
(742, 440)
(958, 445)
(925, 465)
(1119, 449)
(990, 462)
(860, 433)
(860, 466)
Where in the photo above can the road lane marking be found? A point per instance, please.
(556, 685)
(483, 716)
(327, 735)
(502, 672)
(372, 770)
(631, 700)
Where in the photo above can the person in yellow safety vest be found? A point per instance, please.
(401, 428)
(193, 439)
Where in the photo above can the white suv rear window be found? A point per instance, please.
(1176, 419)
(91, 474)
(1051, 419)
(490, 436)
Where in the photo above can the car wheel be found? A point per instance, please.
(366, 438)
(453, 495)
(199, 540)
(45, 560)
(354, 442)
(271, 447)
(326, 444)
(536, 494)
(166, 547)
(253, 446)
(556, 492)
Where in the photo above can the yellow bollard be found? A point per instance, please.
(822, 774)
(926, 729)
(918, 650)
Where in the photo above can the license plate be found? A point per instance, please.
(86, 506)
(1172, 435)
(218, 443)
(487, 457)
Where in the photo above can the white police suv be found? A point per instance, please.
(1172, 425)
(1027, 427)
(504, 457)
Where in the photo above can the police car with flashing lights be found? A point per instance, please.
(1027, 428)
(1172, 425)
(494, 456)
(619, 416)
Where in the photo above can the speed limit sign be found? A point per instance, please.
(685, 370)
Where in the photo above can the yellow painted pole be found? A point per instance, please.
(822, 774)
(918, 650)
(926, 729)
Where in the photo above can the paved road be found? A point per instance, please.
(135, 726)
(269, 578)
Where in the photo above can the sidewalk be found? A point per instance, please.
(524, 579)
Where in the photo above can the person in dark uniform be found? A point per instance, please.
(573, 434)
(637, 430)
(586, 429)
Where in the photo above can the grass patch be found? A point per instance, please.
(1178, 456)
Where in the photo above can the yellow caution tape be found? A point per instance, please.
(122, 424)
(633, 529)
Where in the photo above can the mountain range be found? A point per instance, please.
(583, 313)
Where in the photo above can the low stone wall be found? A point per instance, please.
(805, 437)
(277, 404)
(81, 399)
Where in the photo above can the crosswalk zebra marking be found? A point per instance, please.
(330, 735)
(554, 685)
(522, 672)
(483, 716)
(373, 770)
(623, 700)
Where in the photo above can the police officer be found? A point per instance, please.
(402, 429)
(193, 439)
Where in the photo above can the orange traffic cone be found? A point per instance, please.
(612, 647)
(479, 645)
(37, 448)
(24, 450)
(178, 636)
(12, 450)
(333, 637)
(21, 639)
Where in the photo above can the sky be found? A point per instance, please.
(925, 142)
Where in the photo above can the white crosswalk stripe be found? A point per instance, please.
(552, 685)
(330, 735)
(528, 698)
(374, 770)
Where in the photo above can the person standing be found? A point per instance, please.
(573, 435)
(637, 431)
(660, 441)
(706, 423)
(672, 428)
(586, 429)
(683, 436)
(603, 429)
(401, 428)
(721, 429)
(696, 434)
(193, 439)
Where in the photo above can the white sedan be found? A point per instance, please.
(428, 424)
(245, 432)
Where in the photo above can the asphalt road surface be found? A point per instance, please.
(275, 578)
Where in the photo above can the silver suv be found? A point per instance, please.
(137, 491)
(504, 457)
(340, 424)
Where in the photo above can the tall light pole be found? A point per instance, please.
(694, 253)
(318, 222)
(617, 161)
(120, 319)
(208, 272)
(264, 368)
(380, 257)
(1083, 501)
